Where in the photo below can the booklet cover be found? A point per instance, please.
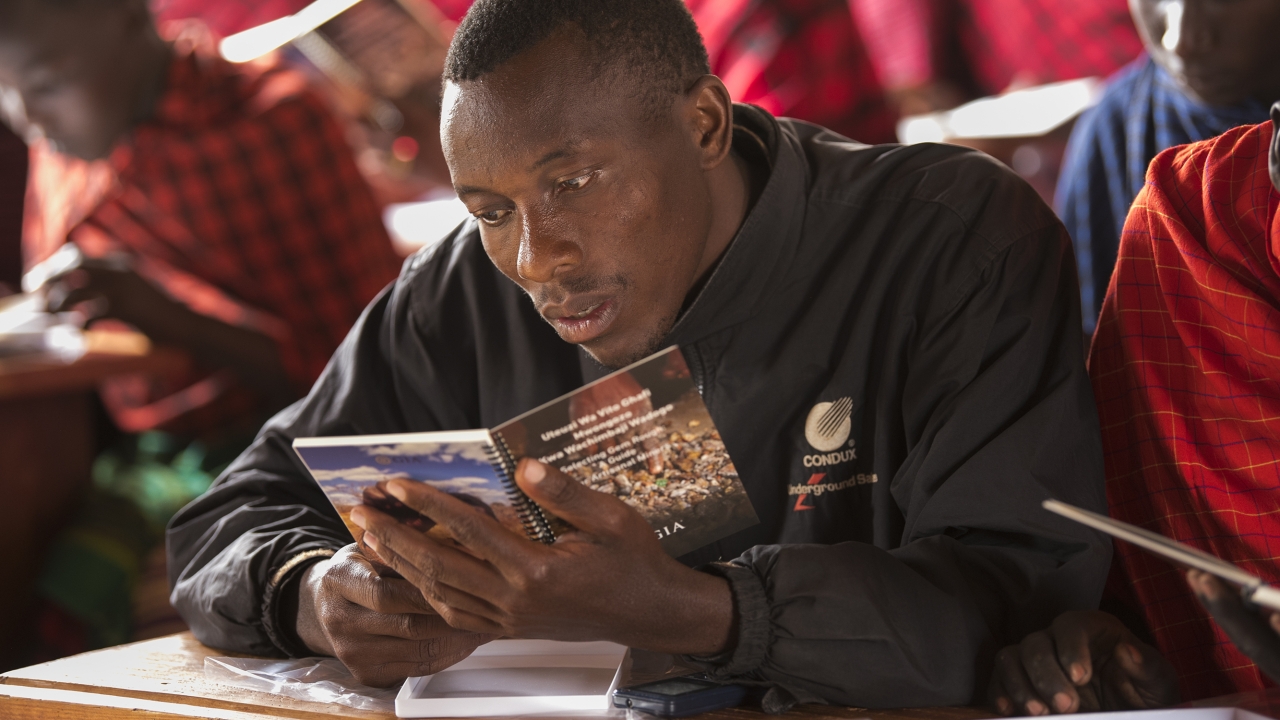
(641, 434)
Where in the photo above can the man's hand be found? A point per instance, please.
(1252, 634)
(607, 580)
(110, 289)
(380, 627)
(1084, 662)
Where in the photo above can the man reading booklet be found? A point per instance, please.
(886, 337)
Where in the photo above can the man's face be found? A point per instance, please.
(69, 66)
(601, 214)
(1275, 146)
(1221, 52)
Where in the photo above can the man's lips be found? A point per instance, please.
(582, 318)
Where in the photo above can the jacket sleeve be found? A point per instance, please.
(998, 416)
(233, 551)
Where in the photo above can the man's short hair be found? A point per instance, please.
(656, 40)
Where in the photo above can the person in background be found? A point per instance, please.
(935, 54)
(797, 58)
(1186, 372)
(215, 208)
(1209, 66)
(13, 184)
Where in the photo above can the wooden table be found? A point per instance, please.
(48, 438)
(163, 679)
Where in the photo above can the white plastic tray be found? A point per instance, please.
(520, 677)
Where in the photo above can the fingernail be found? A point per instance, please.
(397, 490)
(1004, 706)
(372, 541)
(1062, 701)
(1134, 656)
(358, 516)
(1077, 673)
(1035, 707)
(534, 471)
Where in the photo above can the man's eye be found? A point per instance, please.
(577, 183)
(492, 217)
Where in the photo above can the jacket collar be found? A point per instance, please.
(760, 254)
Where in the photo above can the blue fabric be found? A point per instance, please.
(1141, 113)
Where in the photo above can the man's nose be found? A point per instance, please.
(1191, 32)
(544, 251)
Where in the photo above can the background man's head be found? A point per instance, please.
(86, 69)
(1275, 146)
(1221, 52)
(592, 145)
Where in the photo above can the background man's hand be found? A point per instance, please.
(1253, 633)
(110, 289)
(380, 627)
(607, 580)
(1084, 662)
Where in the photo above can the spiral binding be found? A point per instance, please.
(531, 517)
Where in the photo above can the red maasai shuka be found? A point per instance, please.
(796, 58)
(1186, 372)
(1001, 41)
(241, 198)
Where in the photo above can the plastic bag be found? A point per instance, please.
(321, 680)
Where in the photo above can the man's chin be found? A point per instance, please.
(616, 353)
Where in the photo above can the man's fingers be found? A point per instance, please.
(568, 499)
(395, 596)
(386, 662)
(1149, 680)
(405, 626)
(1072, 639)
(62, 297)
(358, 582)
(1012, 691)
(425, 563)
(1251, 634)
(1040, 662)
(480, 532)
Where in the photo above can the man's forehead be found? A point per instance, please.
(37, 40)
(525, 126)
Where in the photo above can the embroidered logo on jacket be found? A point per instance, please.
(828, 425)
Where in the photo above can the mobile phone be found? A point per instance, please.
(679, 696)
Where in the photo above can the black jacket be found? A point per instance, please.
(926, 292)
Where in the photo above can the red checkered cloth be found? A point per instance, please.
(239, 197)
(798, 58)
(1186, 372)
(914, 42)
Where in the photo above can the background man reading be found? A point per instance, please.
(623, 204)
(221, 212)
(1185, 370)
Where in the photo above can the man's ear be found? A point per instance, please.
(1275, 146)
(711, 113)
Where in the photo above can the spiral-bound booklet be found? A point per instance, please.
(641, 434)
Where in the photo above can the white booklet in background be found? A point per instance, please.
(518, 677)
(1251, 586)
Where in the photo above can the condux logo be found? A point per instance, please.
(828, 425)
(827, 429)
